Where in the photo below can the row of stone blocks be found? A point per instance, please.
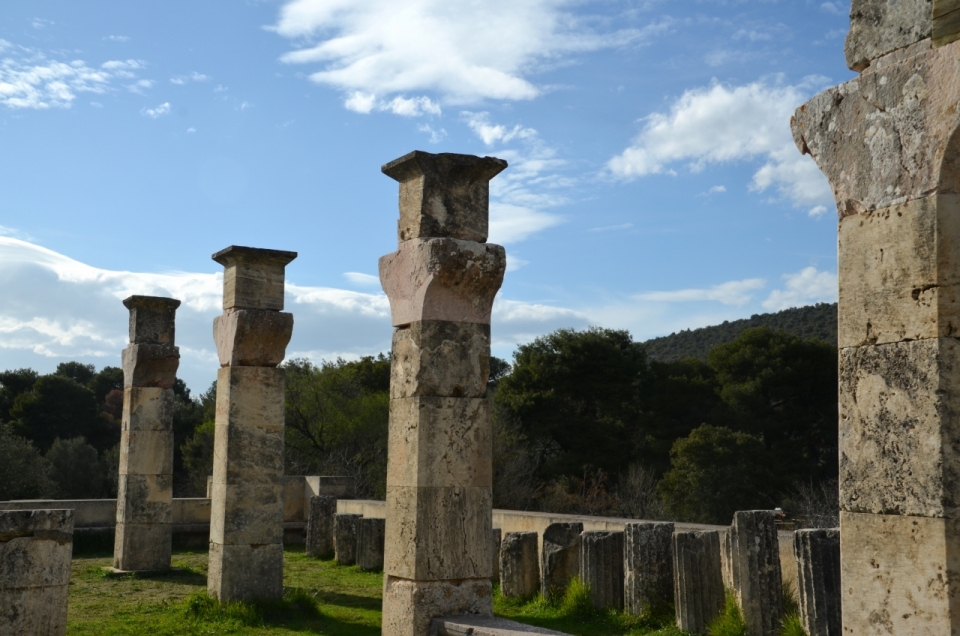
(351, 539)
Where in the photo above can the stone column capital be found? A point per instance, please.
(152, 319)
(253, 277)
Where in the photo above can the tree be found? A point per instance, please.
(188, 416)
(60, 407)
(197, 453)
(12, 384)
(109, 379)
(76, 470)
(76, 371)
(24, 473)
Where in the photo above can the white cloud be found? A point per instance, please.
(805, 287)
(832, 7)
(180, 80)
(736, 293)
(358, 278)
(718, 189)
(817, 211)
(465, 52)
(191, 130)
(159, 111)
(436, 136)
(41, 23)
(609, 228)
(721, 124)
(366, 103)
(491, 133)
(116, 38)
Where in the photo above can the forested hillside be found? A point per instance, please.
(812, 322)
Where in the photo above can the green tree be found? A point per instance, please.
(76, 371)
(188, 415)
(60, 407)
(197, 453)
(76, 471)
(24, 473)
(12, 384)
(109, 379)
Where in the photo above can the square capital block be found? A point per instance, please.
(152, 319)
(252, 277)
(252, 337)
(439, 358)
(150, 365)
(442, 279)
(444, 195)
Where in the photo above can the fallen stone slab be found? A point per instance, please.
(484, 626)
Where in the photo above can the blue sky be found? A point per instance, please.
(653, 183)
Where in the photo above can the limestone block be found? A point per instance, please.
(519, 570)
(33, 562)
(370, 544)
(647, 566)
(878, 27)
(252, 337)
(39, 611)
(251, 397)
(142, 547)
(438, 442)
(698, 582)
(252, 277)
(147, 409)
(758, 584)
(146, 452)
(728, 564)
(437, 358)
(252, 455)
(442, 279)
(899, 574)
(444, 195)
(496, 540)
(601, 568)
(409, 606)
(245, 572)
(145, 499)
(246, 514)
(560, 557)
(150, 365)
(152, 319)
(818, 589)
(946, 22)
(899, 445)
(340, 487)
(485, 626)
(320, 526)
(346, 527)
(899, 272)
(438, 533)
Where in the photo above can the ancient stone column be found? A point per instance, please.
(697, 580)
(818, 574)
(441, 284)
(757, 581)
(346, 532)
(601, 568)
(246, 510)
(145, 484)
(889, 143)
(496, 539)
(559, 558)
(647, 566)
(519, 570)
(36, 548)
(370, 544)
(320, 516)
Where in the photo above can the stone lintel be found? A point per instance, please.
(152, 319)
(448, 359)
(409, 606)
(878, 27)
(252, 337)
(147, 409)
(444, 195)
(150, 365)
(253, 278)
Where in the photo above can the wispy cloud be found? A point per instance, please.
(180, 80)
(805, 287)
(611, 228)
(366, 280)
(737, 293)
(436, 135)
(116, 38)
(159, 111)
(366, 103)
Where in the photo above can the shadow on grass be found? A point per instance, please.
(177, 574)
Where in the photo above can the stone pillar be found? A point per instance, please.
(441, 284)
(601, 568)
(818, 589)
(145, 484)
(370, 544)
(647, 566)
(36, 548)
(496, 539)
(320, 526)
(559, 558)
(519, 570)
(889, 143)
(757, 581)
(697, 580)
(346, 530)
(246, 510)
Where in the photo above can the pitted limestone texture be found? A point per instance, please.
(878, 27)
(758, 583)
(36, 548)
(648, 566)
(698, 581)
(444, 195)
(146, 452)
(818, 590)
(245, 572)
(519, 570)
(346, 527)
(152, 319)
(320, 520)
(150, 365)
(442, 279)
(899, 445)
(147, 409)
(601, 568)
(370, 544)
(438, 358)
(252, 337)
(559, 558)
(253, 278)
(409, 606)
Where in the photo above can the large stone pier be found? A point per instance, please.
(441, 284)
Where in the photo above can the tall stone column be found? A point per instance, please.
(145, 484)
(441, 284)
(888, 142)
(246, 508)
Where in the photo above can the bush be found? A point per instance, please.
(76, 470)
(24, 473)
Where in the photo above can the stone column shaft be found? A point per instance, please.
(818, 574)
(370, 544)
(346, 531)
(519, 570)
(698, 581)
(601, 568)
(321, 512)
(560, 557)
(757, 580)
(648, 566)
(145, 482)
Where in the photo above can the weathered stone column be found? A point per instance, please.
(370, 544)
(519, 570)
(36, 548)
(145, 484)
(560, 557)
(601, 568)
(320, 516)
(889, 143)
(441, 284)
(647, 566)
(818, 565)
(346, 532)
(698, 583)
(246, 510)
(757, 581)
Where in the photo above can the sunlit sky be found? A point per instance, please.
(653, 182)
